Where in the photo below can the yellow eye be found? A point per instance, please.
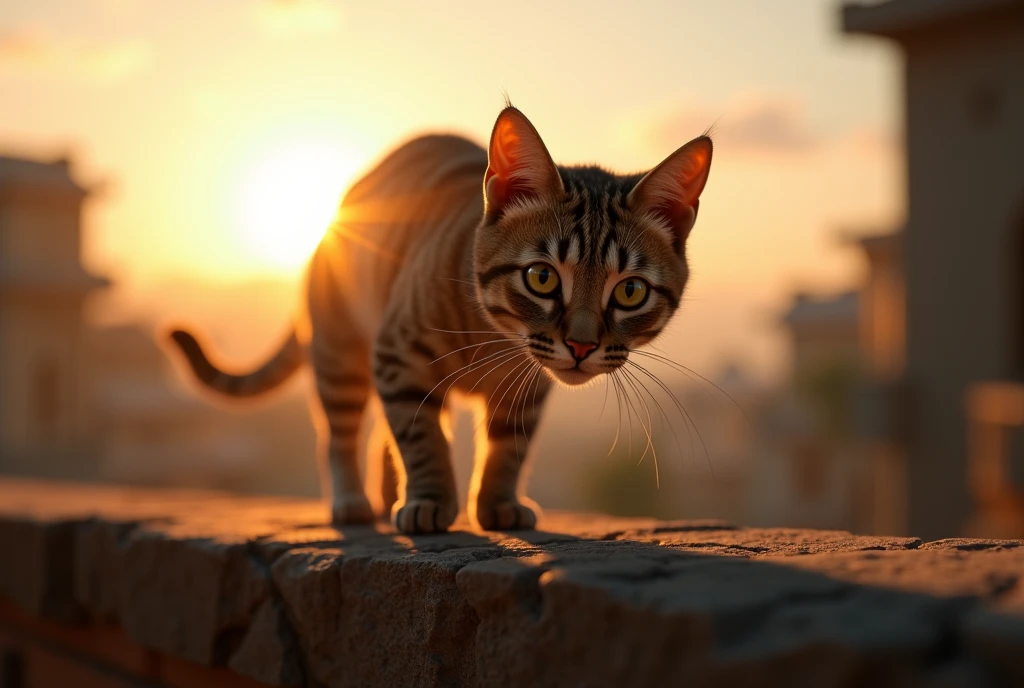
(630, 293)
(541, 279)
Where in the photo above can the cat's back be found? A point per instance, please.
(424, 197)
(424, 164)
(420, 186)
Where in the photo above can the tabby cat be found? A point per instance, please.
(425, 288)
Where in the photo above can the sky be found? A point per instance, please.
(220, 135)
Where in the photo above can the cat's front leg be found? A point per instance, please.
(494, 501)
(413, 412)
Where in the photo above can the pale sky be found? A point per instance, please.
(227, 130)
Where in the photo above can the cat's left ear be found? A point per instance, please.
(518, 164)
(672, 189)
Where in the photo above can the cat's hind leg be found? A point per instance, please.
(343, 392)
(341, 363)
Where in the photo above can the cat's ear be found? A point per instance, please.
(672, 189)
(518, 164)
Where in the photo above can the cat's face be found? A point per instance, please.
(585, 264)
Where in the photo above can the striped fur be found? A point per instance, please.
(419, 292)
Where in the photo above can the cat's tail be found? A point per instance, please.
(281, 366)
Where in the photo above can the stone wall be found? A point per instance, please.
(104, 586)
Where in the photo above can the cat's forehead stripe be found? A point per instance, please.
(563, 249)
(596, 208)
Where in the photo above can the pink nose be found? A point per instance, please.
(580, 350)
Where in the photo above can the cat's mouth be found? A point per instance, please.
(572, 376)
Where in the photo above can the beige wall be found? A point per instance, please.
(39, 230)
(965, 148)
(42, 287)
(40, 340)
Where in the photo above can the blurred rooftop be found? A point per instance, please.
(24, 172)
(894, 18)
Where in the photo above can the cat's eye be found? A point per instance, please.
(630, 293)
(541, 279)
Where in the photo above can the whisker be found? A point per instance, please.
(664, 415)
(538, 371)
(689, 372)
(686, 420)
(629, 418)
(488, 405)
(512, 404)
(535, 388)
(667, 421)
(470, 346)
(682, 408)
(461, 281)
(498, 362)
(630, 404)
(481, 361)
(605, 402)
(505, 393)
(650, 441)
(515, 433)
(435, 329)
(678, 367)
(618, 416)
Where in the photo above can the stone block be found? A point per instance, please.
(192, 588)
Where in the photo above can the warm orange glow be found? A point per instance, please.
(288, 195)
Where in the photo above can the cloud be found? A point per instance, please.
(292, 18)
(873, 141)
(34, 52)
(756, 124)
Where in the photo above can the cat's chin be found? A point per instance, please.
(572, 377)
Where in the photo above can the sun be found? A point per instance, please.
(288, 194)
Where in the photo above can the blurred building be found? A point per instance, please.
(85, 402)
(963, 245)
(822, 332)
(44, 410)
(806, 468)
(878, 404)
(149, 429)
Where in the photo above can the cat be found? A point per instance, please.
(423, 286)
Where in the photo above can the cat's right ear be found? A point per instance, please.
(672, 190)
(519, 166)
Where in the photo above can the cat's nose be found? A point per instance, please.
(580, 350)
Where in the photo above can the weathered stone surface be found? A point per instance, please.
(189, 595)
(372, 613)
(263, 587)
(37, 572)
(269, 651)
(763, 541)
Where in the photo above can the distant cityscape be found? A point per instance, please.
(901, 411)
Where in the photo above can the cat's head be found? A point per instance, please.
(585, 264)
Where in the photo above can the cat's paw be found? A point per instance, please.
(351, 509)
(424, 516)
(505, 515)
